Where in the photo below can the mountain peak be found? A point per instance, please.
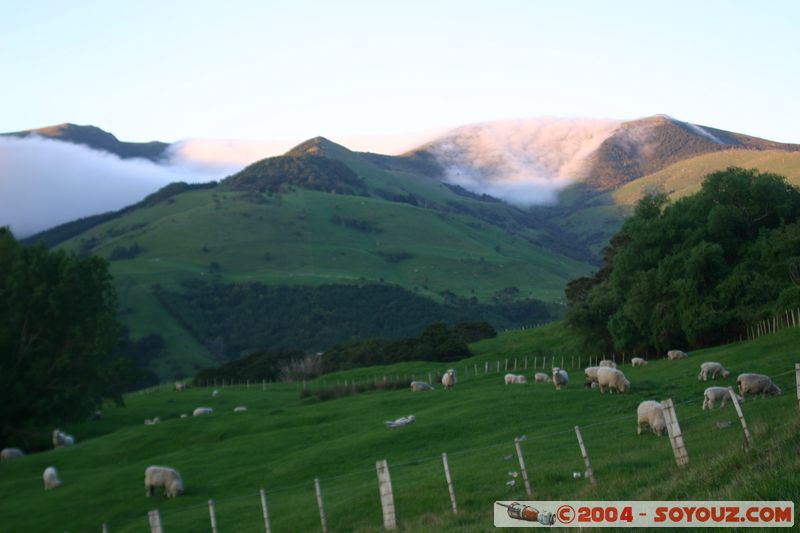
(319, 146)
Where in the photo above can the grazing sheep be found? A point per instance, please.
(240, 409)
(61, 439)
(162, 476)
(400, 422)
(215, 393)
(650, 413)
(591, 374)
(449, 379)
(713, 394)
(10, 453)
(711, 368)
(607, 363)
(180, 386)
(560, 378)
(151, 422)
(673, 355)
(510, 379)
(184, 415)
(638, 361)
(50, 477)
(521, 379)
(757, 384)
(420, 386)
(541, 377)
(202, 411)
(612, 379)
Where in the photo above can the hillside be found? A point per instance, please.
(98, 139)
(270, 225)
(282, 443)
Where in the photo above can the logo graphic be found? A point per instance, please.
(527, 513)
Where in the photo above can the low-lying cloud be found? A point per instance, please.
(45, 182)
(524, 162)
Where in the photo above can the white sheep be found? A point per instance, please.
(61, 439)
(215, 393)
(673, 355)
(50, 477)
(541, 377)
(240, 409)
(591, 374)
(184, 415)
(449, 379)
(607, 363)
(400, 422)
(560, 378)
(612, 379)
(10, 453)
(650, 413)
(757, 384)
(180, 386)
(202, 411)
(511, 379)
(521, 379)
(151, 422)
(420, 386)
(162, 476)
(638, 361)
(713, 394)
(711, 368)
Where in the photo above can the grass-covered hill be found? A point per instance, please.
(282, 443)
(310, 222)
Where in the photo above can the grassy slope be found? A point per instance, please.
(282, 443)
(684, 178)
(292, 240)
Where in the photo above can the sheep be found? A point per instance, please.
(400, 422)
(521, 379)
(449, 379)
(184, 415)
(650, 413)
(240, 409)
(712, 394)
(50, 477)
(674, 355)
(61, 439)
(510, 379)
(757, 384)
(98, 415)
(180, 386)
(638, 361)
(202, 411)
(420, 386)
(215, 393)
(162, 476)
(612, 379)
(711, 368)
(607, 363)
(541, 377)
(591, 374)
(151, 422)
(10, 453)
(560, 378)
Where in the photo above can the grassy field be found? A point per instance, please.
(282, 443)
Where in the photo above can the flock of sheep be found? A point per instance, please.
(605, 376)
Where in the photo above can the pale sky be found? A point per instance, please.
(385, 71)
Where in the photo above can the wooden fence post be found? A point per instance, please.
(475, 368)
(449, 483)
(320, 506)
(522, 467)
(486, 368)
(498, 367)
(748, 442)
(589, 471)
(515, 364)
(213, 516)
(387, 498)
(265, 511)
(104, 528)
(430, 380)
(674, 431)
(506, 369)
(526, 362)
(155, 521)
(797, 379)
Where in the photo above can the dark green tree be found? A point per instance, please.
(58, 336)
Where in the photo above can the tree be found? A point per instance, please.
(59, 336)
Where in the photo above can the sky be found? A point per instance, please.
(383, 75)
